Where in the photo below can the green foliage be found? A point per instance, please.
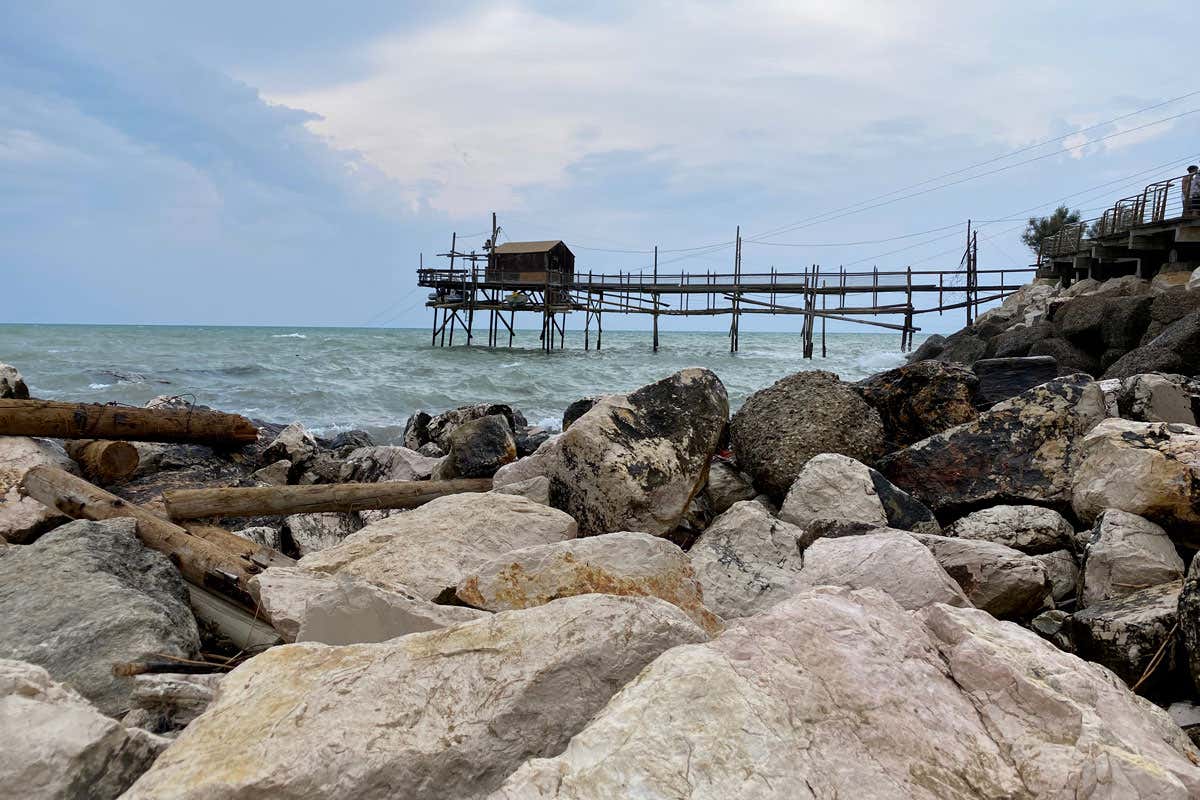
(1038, 228)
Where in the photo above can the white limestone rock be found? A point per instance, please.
(442, 714)
(312, 533)
(1125, 554)
(747, 560)
(1030, 529)
(1000, 580)
(12, 385)
(433, 547)
(58, 745)
(23, 519)
(387, 463)
(536, 489)
(833, 486)
(1146, 468)
(293, 443)
(835, 693)
(888, 560)
(622, 563)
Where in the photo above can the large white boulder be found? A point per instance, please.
(889, 560)
(1146, 468)
(1002, 581)
(58, 745)
(312, 533)
(386, 463)
(833, 486)
(1030, 529)
(835, 693)
(1126, 553)
(621, 563)
(747, 560)
(23, 519)
(442, 714)
(633, 462)
(433, 547)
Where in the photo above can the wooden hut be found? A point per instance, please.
(532, 262)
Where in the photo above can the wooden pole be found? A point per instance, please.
(313, 498)
(199, 560)
(92, 421)
(103, 462)
(656, 298)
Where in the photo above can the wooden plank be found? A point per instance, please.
(93, 421)
(254, 501)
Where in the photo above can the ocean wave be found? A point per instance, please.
(99, 385)
(288, 336)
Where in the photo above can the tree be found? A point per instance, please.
(1039, 228)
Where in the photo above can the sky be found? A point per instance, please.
(276, 163)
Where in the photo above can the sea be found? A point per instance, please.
(337, 379)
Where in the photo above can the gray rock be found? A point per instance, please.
(1069, 357)
(725, 487)
(932, 347)
(294, 443)
(624, 563)
(1150, 469)
(1030, 529)
(478, 448)
(431, 450)
(347, 442)
(1156, 398)
(19, 454)
(442, 714)
(1003, 378)
(273, 474)
(166, 703)
(780, 428)
(1125, 554)
(1189, 619)
(529, 438)
(964, 347)
(1114, 322)
(263, 535)
(440, 426)
(23, 519)
(891, 561)
(1055, 627)
(747, 560)
(1175, 350)
(1017, 340)
(904, 512)
(1125, 633)
(12, 385)
(577, 409)
(837, 694)
(1021, 451)
(1002, 581)
(386, 463)
(1063, 571)
(58, 746)
(305, 534)
(87, 596)
(416, 431)
(634, 462)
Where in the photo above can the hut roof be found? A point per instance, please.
(528, 247)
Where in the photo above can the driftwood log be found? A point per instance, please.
(94, 421)
(212, 558)
(269, 500)
(103, 462)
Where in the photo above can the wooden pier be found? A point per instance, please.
(540, 278)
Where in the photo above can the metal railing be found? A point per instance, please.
(1158, 203)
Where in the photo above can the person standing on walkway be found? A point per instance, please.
(1191, 192)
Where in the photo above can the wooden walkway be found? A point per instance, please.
(471, 297)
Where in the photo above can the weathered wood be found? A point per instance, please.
(94, 421)
(249, 632)
(249, 502)
(104, 462)
(199, 560)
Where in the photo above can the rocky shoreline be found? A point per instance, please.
(969, 576)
